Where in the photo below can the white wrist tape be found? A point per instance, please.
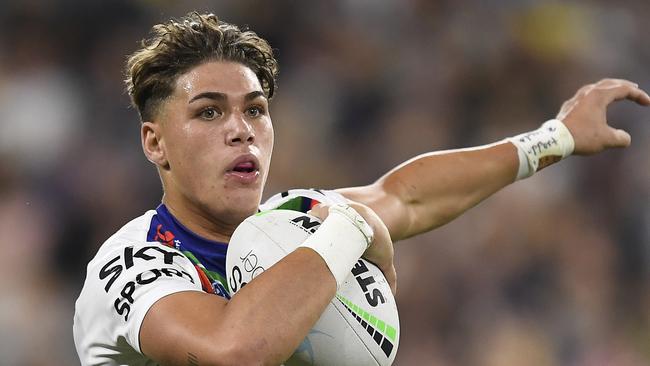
(538, 149)
(341, 240)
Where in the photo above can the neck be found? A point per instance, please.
(200, 221)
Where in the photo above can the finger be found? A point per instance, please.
(625, 91)
(640, 96)
(644, 98)
(604, 84)
(616, 82)
(619, 138)
(319, 210)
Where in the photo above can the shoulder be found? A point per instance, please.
(134, 231)
(124, 279)
(128, 250)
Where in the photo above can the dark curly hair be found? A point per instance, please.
(179, 45)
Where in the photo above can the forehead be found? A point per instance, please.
(230, 78)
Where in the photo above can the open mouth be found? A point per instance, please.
(245, 167)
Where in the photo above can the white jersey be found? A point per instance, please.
(149, 258)
(125, 278)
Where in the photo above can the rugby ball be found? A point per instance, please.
(360, 326)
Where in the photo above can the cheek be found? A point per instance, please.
(185, 148)
(193, 150)
(271, 138)
(267, 138)
(266, 132)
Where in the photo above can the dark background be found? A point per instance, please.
(551, 271)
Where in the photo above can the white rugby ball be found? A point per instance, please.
(360, 326)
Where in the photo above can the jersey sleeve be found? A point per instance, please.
(123, 285)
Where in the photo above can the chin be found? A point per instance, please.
(243, 204)
(235, 202)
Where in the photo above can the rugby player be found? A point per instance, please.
(155, 293)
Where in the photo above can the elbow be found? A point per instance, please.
(393, 186)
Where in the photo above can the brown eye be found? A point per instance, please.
(254, 111)
(209, 113)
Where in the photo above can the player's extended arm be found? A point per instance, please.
(265, 321)
(434, 188)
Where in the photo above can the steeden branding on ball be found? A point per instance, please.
(359, 327)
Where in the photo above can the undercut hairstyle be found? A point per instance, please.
(177, 46)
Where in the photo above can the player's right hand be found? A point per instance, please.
(585, 115)
(380, 252)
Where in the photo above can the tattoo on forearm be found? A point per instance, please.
(192, 360)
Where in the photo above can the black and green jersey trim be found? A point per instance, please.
(383, 334)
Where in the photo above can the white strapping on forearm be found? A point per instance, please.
(341, 240)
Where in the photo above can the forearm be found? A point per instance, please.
(434, 188)
(437, 187)
(281, 305)
(262, 324)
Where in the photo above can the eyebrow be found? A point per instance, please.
(221, 96)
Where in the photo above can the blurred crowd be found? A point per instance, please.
(550, 271)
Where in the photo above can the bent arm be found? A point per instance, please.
(266, 320)
(262, 324)
(434, 188)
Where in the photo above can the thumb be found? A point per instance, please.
(320, 210)
(620, 138)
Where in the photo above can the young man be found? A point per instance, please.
(202, 88)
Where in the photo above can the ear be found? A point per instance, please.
(153, 144)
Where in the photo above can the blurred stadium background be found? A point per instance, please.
(551, 271)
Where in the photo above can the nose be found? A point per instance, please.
(240, 132)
